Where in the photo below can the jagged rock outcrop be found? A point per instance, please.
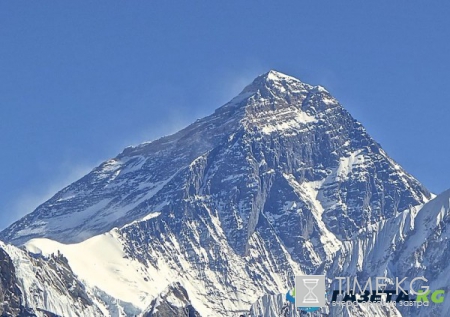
(10, 294)
(173, 302)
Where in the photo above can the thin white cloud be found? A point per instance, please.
(235, 81)
(28, 201)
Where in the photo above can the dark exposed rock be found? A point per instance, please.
(10, 293)
(173, 302)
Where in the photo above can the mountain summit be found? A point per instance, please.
(272, 184)
(279, 132)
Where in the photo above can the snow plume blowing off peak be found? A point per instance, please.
(279, 181)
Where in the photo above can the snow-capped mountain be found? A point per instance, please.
(279, 181)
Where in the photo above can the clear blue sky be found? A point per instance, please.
(80, 80)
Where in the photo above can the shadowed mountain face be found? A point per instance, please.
(278, 181)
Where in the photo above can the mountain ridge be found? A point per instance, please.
(277, 182)
(227, 122)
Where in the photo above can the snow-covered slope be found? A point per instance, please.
(105, 262)
(279, 181)
(46, 284)
(414, 243)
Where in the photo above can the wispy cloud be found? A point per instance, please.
(233, 82)
(29, 200)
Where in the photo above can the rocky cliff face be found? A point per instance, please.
(174, 301)
(39, 286)
(10, 294)
(279, 181)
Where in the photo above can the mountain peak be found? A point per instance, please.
(275, 83)
(278, 126)
(278, 182)
(275, 75)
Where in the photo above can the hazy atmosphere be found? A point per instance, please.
(81, 81)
